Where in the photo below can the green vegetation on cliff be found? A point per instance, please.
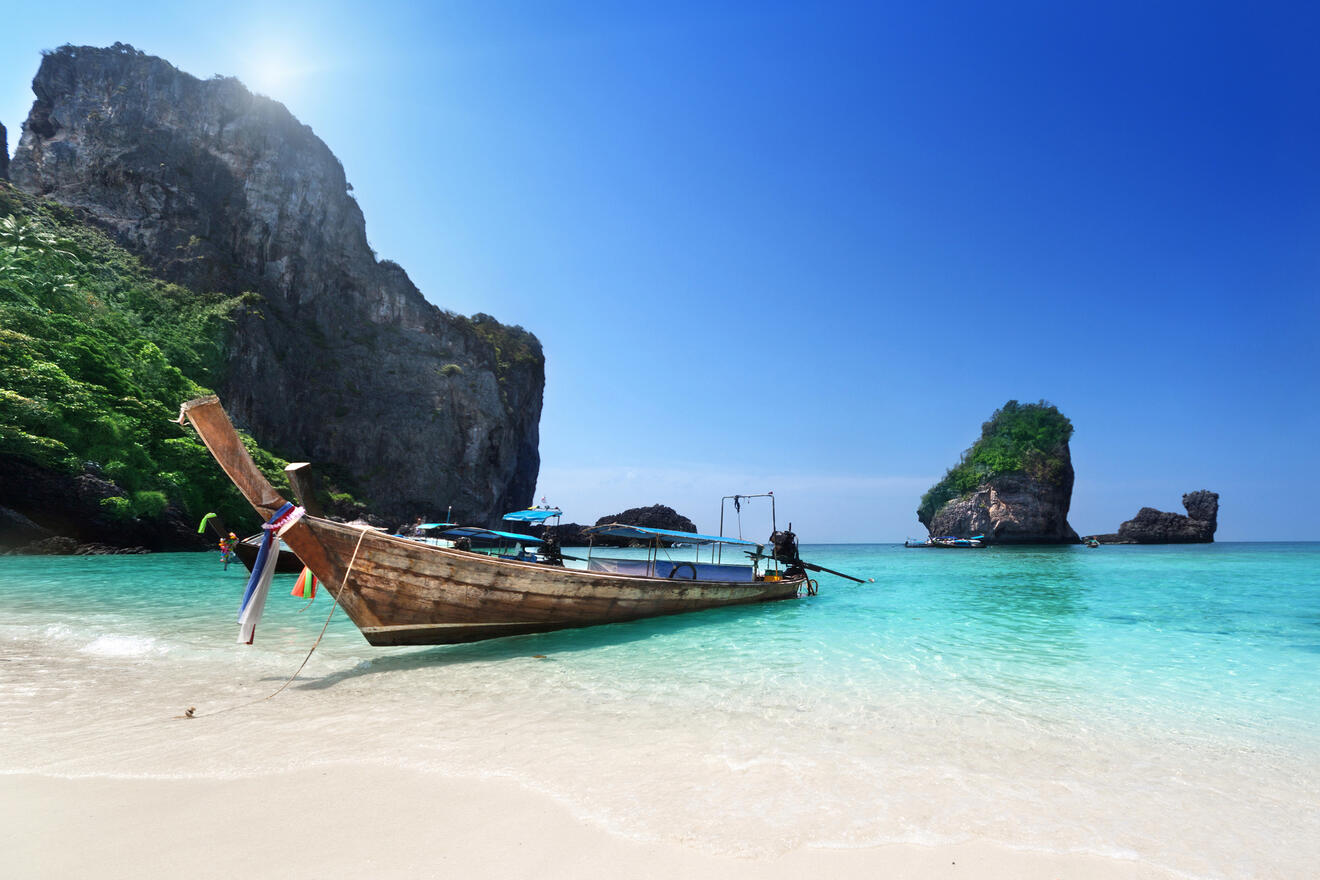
(516, 350)
(1018, 438)
(95, 357)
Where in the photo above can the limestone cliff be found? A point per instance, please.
(1014, 485)
(338, 359)
(1151, 526)
(4, 153)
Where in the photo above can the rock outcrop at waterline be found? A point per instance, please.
(73, 514)
(1151, 526)
(1011, 509)
(337, 359)
(657, 516)
(1014, 485)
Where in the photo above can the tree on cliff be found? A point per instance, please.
(1027, 438)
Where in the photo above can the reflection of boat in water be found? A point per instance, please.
(399, 591)
(948, 542)
(247, 548)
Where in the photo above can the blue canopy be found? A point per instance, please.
(435, 525)
(533, 515)
(619, 530)
(477, 532)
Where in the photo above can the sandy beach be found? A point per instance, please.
(359, 820)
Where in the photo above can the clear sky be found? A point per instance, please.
(809, 248)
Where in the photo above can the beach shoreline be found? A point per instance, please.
(345, 820)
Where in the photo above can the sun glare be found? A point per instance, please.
(268, 75)
(274, 71)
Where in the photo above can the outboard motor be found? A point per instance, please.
(785, 545)
(550, 552)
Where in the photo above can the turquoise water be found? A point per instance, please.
(1153, 703)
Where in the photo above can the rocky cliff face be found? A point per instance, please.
(1151, 526)
(1012, 509)
(4, 153)
(340, 360)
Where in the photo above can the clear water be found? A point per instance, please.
(1153, 703)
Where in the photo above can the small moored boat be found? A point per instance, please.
(246, 550)
(948, 542)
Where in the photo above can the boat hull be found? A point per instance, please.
(403, 592)
(246, 551)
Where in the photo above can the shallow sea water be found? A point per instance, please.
(1152, 703)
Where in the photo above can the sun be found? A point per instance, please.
(270, 74)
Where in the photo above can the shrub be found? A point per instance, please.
(117, 507)
(149, 503)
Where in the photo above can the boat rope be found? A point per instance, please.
(192, 712)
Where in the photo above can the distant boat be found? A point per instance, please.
(247, 548)
(400, 591)
(948, 542)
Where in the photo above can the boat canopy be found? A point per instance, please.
(533, 514)
(436, 525)
(619, 530)
(476, 532)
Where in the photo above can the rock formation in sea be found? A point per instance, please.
(4, 153)
(657, 516)
(1151, 526)
(337, 358)
(1014, 485)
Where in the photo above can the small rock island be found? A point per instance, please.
(1014, 485)
(657, 516)
(1151, 526)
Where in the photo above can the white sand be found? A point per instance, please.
(364, 821)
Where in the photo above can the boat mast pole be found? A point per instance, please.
(712, 549)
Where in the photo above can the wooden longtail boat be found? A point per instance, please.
(403, 592)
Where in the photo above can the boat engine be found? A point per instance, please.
(551, 553)
(785, 545)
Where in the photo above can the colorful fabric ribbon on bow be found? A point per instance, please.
(305, 586)
(263, 570)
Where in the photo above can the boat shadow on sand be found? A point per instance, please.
(546, 646)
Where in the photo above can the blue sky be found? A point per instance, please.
(809, 248)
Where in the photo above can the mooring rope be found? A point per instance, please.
(191, 712)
